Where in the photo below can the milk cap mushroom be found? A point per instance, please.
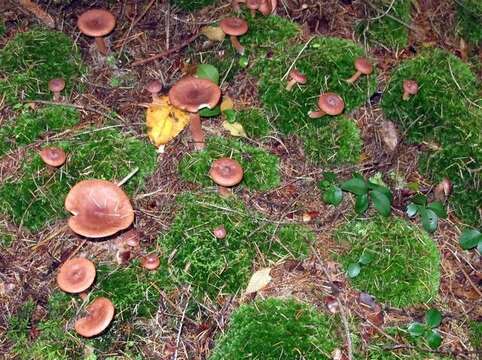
(99, 315)
(226, 172)
(234, 27)
(220, 232)
(329, 103)
(76, 275)
(253, 5)
(296, 77)
(154, 87)
(267, 7)
(100, 208)
(362, 67)
(53, 156)
(410, 87)
(56, 86)
(97, 23)
(150, 262)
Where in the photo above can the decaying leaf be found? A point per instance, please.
(258, 281)
(213, 33)
(235, 129)
(227, 104)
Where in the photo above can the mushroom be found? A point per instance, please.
(150, 262)
(100, 208)
(267, 7)
(53, 156)
(56, 86)
(410, 87)
(99, 315)
(235, 4)
(76, 275)
(97, 23)
(253, 5)
(220, 232)
(235, 27)
(329, 103)
(363, 67)
(193, 94)
(154, 87)
(296, 77)
(226, 173)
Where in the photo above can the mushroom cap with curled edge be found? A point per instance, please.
(96, 22)
(364, 66)
(53, 156)
(298, 76)
(56, 85)
(99, 315)
(154, 86)
(76, 275)
(268, 7)
(193, 94)
(331, 103)
(100, 208)
(410, 87)
(226, 172)
(234, 26)
(150, 262)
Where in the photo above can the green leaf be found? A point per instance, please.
(433, 318)
(438, 208)
(209, 72)
(243, 61)
(381, 202)
(412, 210)
(470, 238)
(206, 112)
(353, 270)
(429, 219)
(230, 115)
(329, 176)
(382, 189)
(361, 203)
(366, 258)
(333, 195)
(416, 329)
(419, 199)
(433, 339)
(479, 246)
(355, 185)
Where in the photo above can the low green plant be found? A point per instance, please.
(355, 268)
(469, 17)
(433, 319)
(429, 212)
(192, 5)
(470, 239)
(254, 122)
(476, 334)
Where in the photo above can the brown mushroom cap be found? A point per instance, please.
(53, 156)
(150, 262)
(298, 76)
(99, 315)
(226, 172)
(154, 86)
(331, 103)
(56, 85)
(192, 94)
(96, 22)
(234, 26)
(76, 275)
(100, 208)
(252, 4)
(364, 66)
(410, 87)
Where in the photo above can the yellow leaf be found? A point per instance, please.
(236, 129)
(258, 281)
(164, 121)
(226, 104)
(213, 33)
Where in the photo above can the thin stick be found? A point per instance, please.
(127, 178)
(178, 338)
(296, 58)
(134, 23)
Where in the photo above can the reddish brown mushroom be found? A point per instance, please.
(56, 86)
(329, 103)
(235, 4)
(410, 87)
(76, 275)
(226, 173)
(150, 262)
(53, 156)
(100, 208)
(296, 77)
(362, 67)
(219, 232)
(193, 94)
(154, 87)
(267, 7)
(97, 23)
(235, 27)
(253, 6)
(99, 315)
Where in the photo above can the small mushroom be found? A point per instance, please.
(296, 77)
(150, 262)
(100, 208)
(362, 67)
(53, 156)
(56, 86)
(329, 103)
(442, 190)
(154, 87)
(253, 6)
(76, 275)
(220, 232)
(410, 87)
(267, 7)
(226, 173)
(99, 315)
(235, 27)
(97, 23)
(235, 4)
(193, 94)
(123, 256)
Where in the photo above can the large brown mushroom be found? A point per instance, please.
(362, 67)
(53, 156)
(410, 87)
(56, 86)
(97, 23)
(100, 208)
(99, 315)
(235, 27)
(193, 94)
(296, 77)
(226, 173)
(329, 103)
(76, 275)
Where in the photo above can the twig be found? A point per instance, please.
(178, 338)
(127, 178)
(134, 23)
(394, 18)
(297, 57)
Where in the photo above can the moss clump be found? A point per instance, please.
(275, 329)
(31, 124)
(254, 122)
(36, 195)
(406, 265)
(476, 335)
(378, 353)
(261, 169)
(6, 237)
(32, 58)
(192, 5)
(469, 16)
(215, 266)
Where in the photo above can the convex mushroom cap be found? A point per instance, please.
(193, 94)
(410, 87)
(56, 85)
(53, 156)
(298, 76)
(234, 26)
(96, 22)
(364, 66)
(331, 103)
(99, 315)
(154, 86)
(150, 262)
(76, 275)
(226, 172)
(100, 208)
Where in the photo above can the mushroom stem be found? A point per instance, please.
(316, 114)
(253, 12)
(235, 4)
(406, 96)
(235, 42)
(56, 97)
(290, 84)
(224, 192)
(101, 45)
(155, 98)
(354, 77)
(197, 131)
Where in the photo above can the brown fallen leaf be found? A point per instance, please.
(213, 33)
(258, 281)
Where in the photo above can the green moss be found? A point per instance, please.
(33, 58)
(261, 169)
(6, 237)
(254, 122)
(406, 266)
(476, 335)
(192, 5)
(36, 195)
(469, 16)
(215, 266)
(378, 353)
(382, 29)
(275, 329)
